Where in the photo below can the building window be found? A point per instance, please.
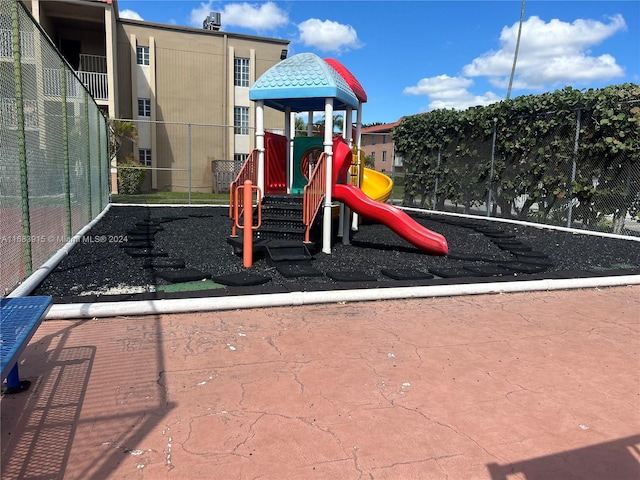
(373, 158)
(144, 156)
(373, 139)
(27, 48)
(8, 113)
(241, 72)
(144, 107)
(384, 139)
(384, 156)
(241, 120)
(6, 47)
(142, 55)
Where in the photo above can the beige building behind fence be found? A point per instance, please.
(187, 89)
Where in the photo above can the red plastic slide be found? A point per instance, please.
(392, 217)
(388, 215)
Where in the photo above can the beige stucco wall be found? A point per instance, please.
(191, 82)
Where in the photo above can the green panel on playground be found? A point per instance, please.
(302, 147)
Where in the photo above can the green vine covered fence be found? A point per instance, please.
(569, 157)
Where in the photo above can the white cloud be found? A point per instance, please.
(444, 91)
(328, 36)
(130, 14)
(253, 16)
(551, 54)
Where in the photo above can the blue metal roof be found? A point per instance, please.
(302, 82)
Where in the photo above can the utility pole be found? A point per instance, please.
(515, 54)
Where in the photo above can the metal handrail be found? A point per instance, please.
(249, 171)
(313, 195)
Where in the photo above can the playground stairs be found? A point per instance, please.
(281, 218)
(281, 234)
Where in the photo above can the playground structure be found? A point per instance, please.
(301, 177)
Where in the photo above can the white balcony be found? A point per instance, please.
(96, 83)
(92, 72)
(90, 76)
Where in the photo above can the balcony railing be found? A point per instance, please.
(93, 63)
(96, 83)
(53, 83)
(93, 74)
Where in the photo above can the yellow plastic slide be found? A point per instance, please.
(376, 185)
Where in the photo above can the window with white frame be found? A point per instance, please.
(144, 107)
(6, 46)
(241, 120)
(27, 47)
(241, 72)
(384, 156)
(142, 55)
(144, 156)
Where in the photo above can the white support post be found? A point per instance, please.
(260, 141)
(358, 138)
(345, 212)
(310, 124)
(348, 123)
(358, 142)
(328, 149)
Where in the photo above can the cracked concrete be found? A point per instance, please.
(524, 386)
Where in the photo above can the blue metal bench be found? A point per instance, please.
(20, 317)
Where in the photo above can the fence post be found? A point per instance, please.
(573, 168)
(493, 161)
(189, 158)
(99, 139)
(65, 143)
(88, 146)
(437, 180)
(22, 140)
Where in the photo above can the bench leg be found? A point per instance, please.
(14, 385)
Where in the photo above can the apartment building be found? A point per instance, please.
(84, 33)
(377, 143)
(186, 88)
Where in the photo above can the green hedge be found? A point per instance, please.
(130, 178)
(451, 152)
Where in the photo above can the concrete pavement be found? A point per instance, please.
(530, 386)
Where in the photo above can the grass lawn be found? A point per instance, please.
(182, 198)
(173, 197)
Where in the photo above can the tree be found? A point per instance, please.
(300, 129)
(338, 123)
(369, 161)
(130, 173)
(119, 131)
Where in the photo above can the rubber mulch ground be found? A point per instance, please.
(141, 249)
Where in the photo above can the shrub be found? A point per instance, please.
(130, 177)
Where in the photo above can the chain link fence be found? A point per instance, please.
(558, 180)
(190, 162)
(53, 142)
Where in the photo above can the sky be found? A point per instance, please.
(415, 56)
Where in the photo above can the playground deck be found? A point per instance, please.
(530, 386)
